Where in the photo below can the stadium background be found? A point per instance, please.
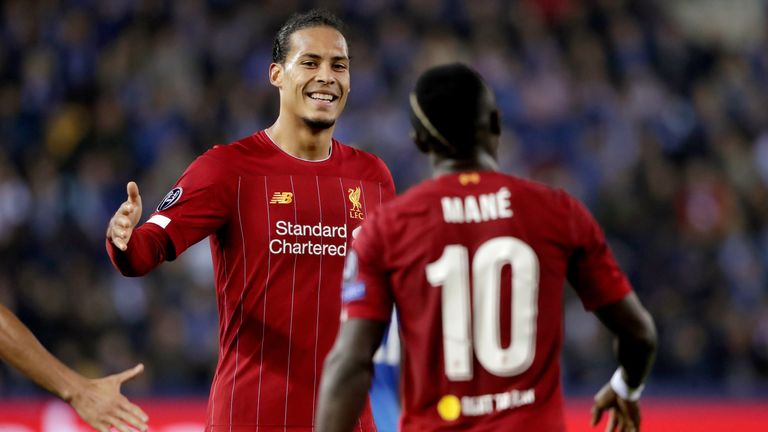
(654, 113)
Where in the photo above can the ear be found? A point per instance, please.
(495, 124)
(276, 74)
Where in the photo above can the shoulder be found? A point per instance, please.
(227, 158)
(219, 164)
(557, 207)
(540, 193)
(416, 200)
(363, 162)
(232, 151)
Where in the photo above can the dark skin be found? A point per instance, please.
(635, 345)
(347, 374)
(348, 368)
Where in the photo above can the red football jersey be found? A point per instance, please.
(279, 229)
(475, 264)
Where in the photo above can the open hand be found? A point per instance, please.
(624, 414)
(100, 404)
(126, 218)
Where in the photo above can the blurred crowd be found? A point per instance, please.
(655, 114)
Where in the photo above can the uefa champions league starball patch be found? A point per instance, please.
(170, 199)
(352, 288)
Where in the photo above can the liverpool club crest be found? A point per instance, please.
(356, 212)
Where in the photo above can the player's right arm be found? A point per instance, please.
(147, 250)
(200, 203)
(97, 401)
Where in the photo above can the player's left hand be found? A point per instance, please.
(100, 404)
(624, 414)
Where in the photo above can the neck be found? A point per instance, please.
(299, 140)
(481, 161)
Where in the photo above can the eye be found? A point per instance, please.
(309, 63)
(340, 67)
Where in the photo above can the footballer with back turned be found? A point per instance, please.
(475, 262)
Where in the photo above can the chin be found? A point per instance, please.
(320, 124)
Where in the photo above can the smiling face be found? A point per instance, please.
(314, 79)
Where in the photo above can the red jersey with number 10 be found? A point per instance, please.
(476, 263)
(279, 229)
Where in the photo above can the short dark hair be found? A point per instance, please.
(448, 106)
(313, 18)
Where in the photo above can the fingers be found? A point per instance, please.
(136, 417)
(133, 192)
(603, 400)
(130, 373)
(612, 422)
(117, 424)
(133, 415)
(119, 414)
(119, 236)
(627, 424)
(126, 218)
(120, 229)
(630, 415)
(620, 421)
(597, 414)
(633, 412)
(121, 221)
(624, 415)
(127, 209)
(128, 412)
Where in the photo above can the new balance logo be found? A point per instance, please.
(281, 198)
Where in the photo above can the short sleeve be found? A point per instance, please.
(366, 291)
(199, 204)
(592, 268)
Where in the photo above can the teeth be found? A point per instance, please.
(321, 96)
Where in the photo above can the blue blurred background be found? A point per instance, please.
(654, 113)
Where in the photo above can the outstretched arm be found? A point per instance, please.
(133, 251)
(347, 374)
(635, 346)
(97, 401)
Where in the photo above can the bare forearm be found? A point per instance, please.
(635, 335)
(343, 393)
(636, 353)
(20, 349)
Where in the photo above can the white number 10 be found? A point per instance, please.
(451, 272)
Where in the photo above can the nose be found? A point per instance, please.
(325, 74)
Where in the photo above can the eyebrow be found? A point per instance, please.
(319, 57)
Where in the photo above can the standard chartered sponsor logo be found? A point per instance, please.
(315, 246)
(279, 246)
(317, 230)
